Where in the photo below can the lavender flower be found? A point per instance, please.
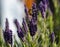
(32, 28)
(52, 37)
(19, 30)
(26, 10)
(32, 18)
(7, 33)
(43, 7)
(33, 23)
(25, 27)
(34, 11)
(8, 36)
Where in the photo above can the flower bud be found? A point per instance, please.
(7, 33)
(19, 30)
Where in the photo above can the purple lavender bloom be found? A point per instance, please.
(52, 37)
(32, 28)
(7, 33)
(33, 23)
(26, 11)
(19, 30)
(34, 9)
(34, 13)
(43, 7)
(25, 27)
(8, 36)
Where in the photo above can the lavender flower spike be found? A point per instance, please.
(33, 23)
(19, 30)
(43, 7)
(52, 37)
(33, 29)
(7, 33)
(26, 10)
(34, 13)
(25, 27)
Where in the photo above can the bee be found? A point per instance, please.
(28, 4)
